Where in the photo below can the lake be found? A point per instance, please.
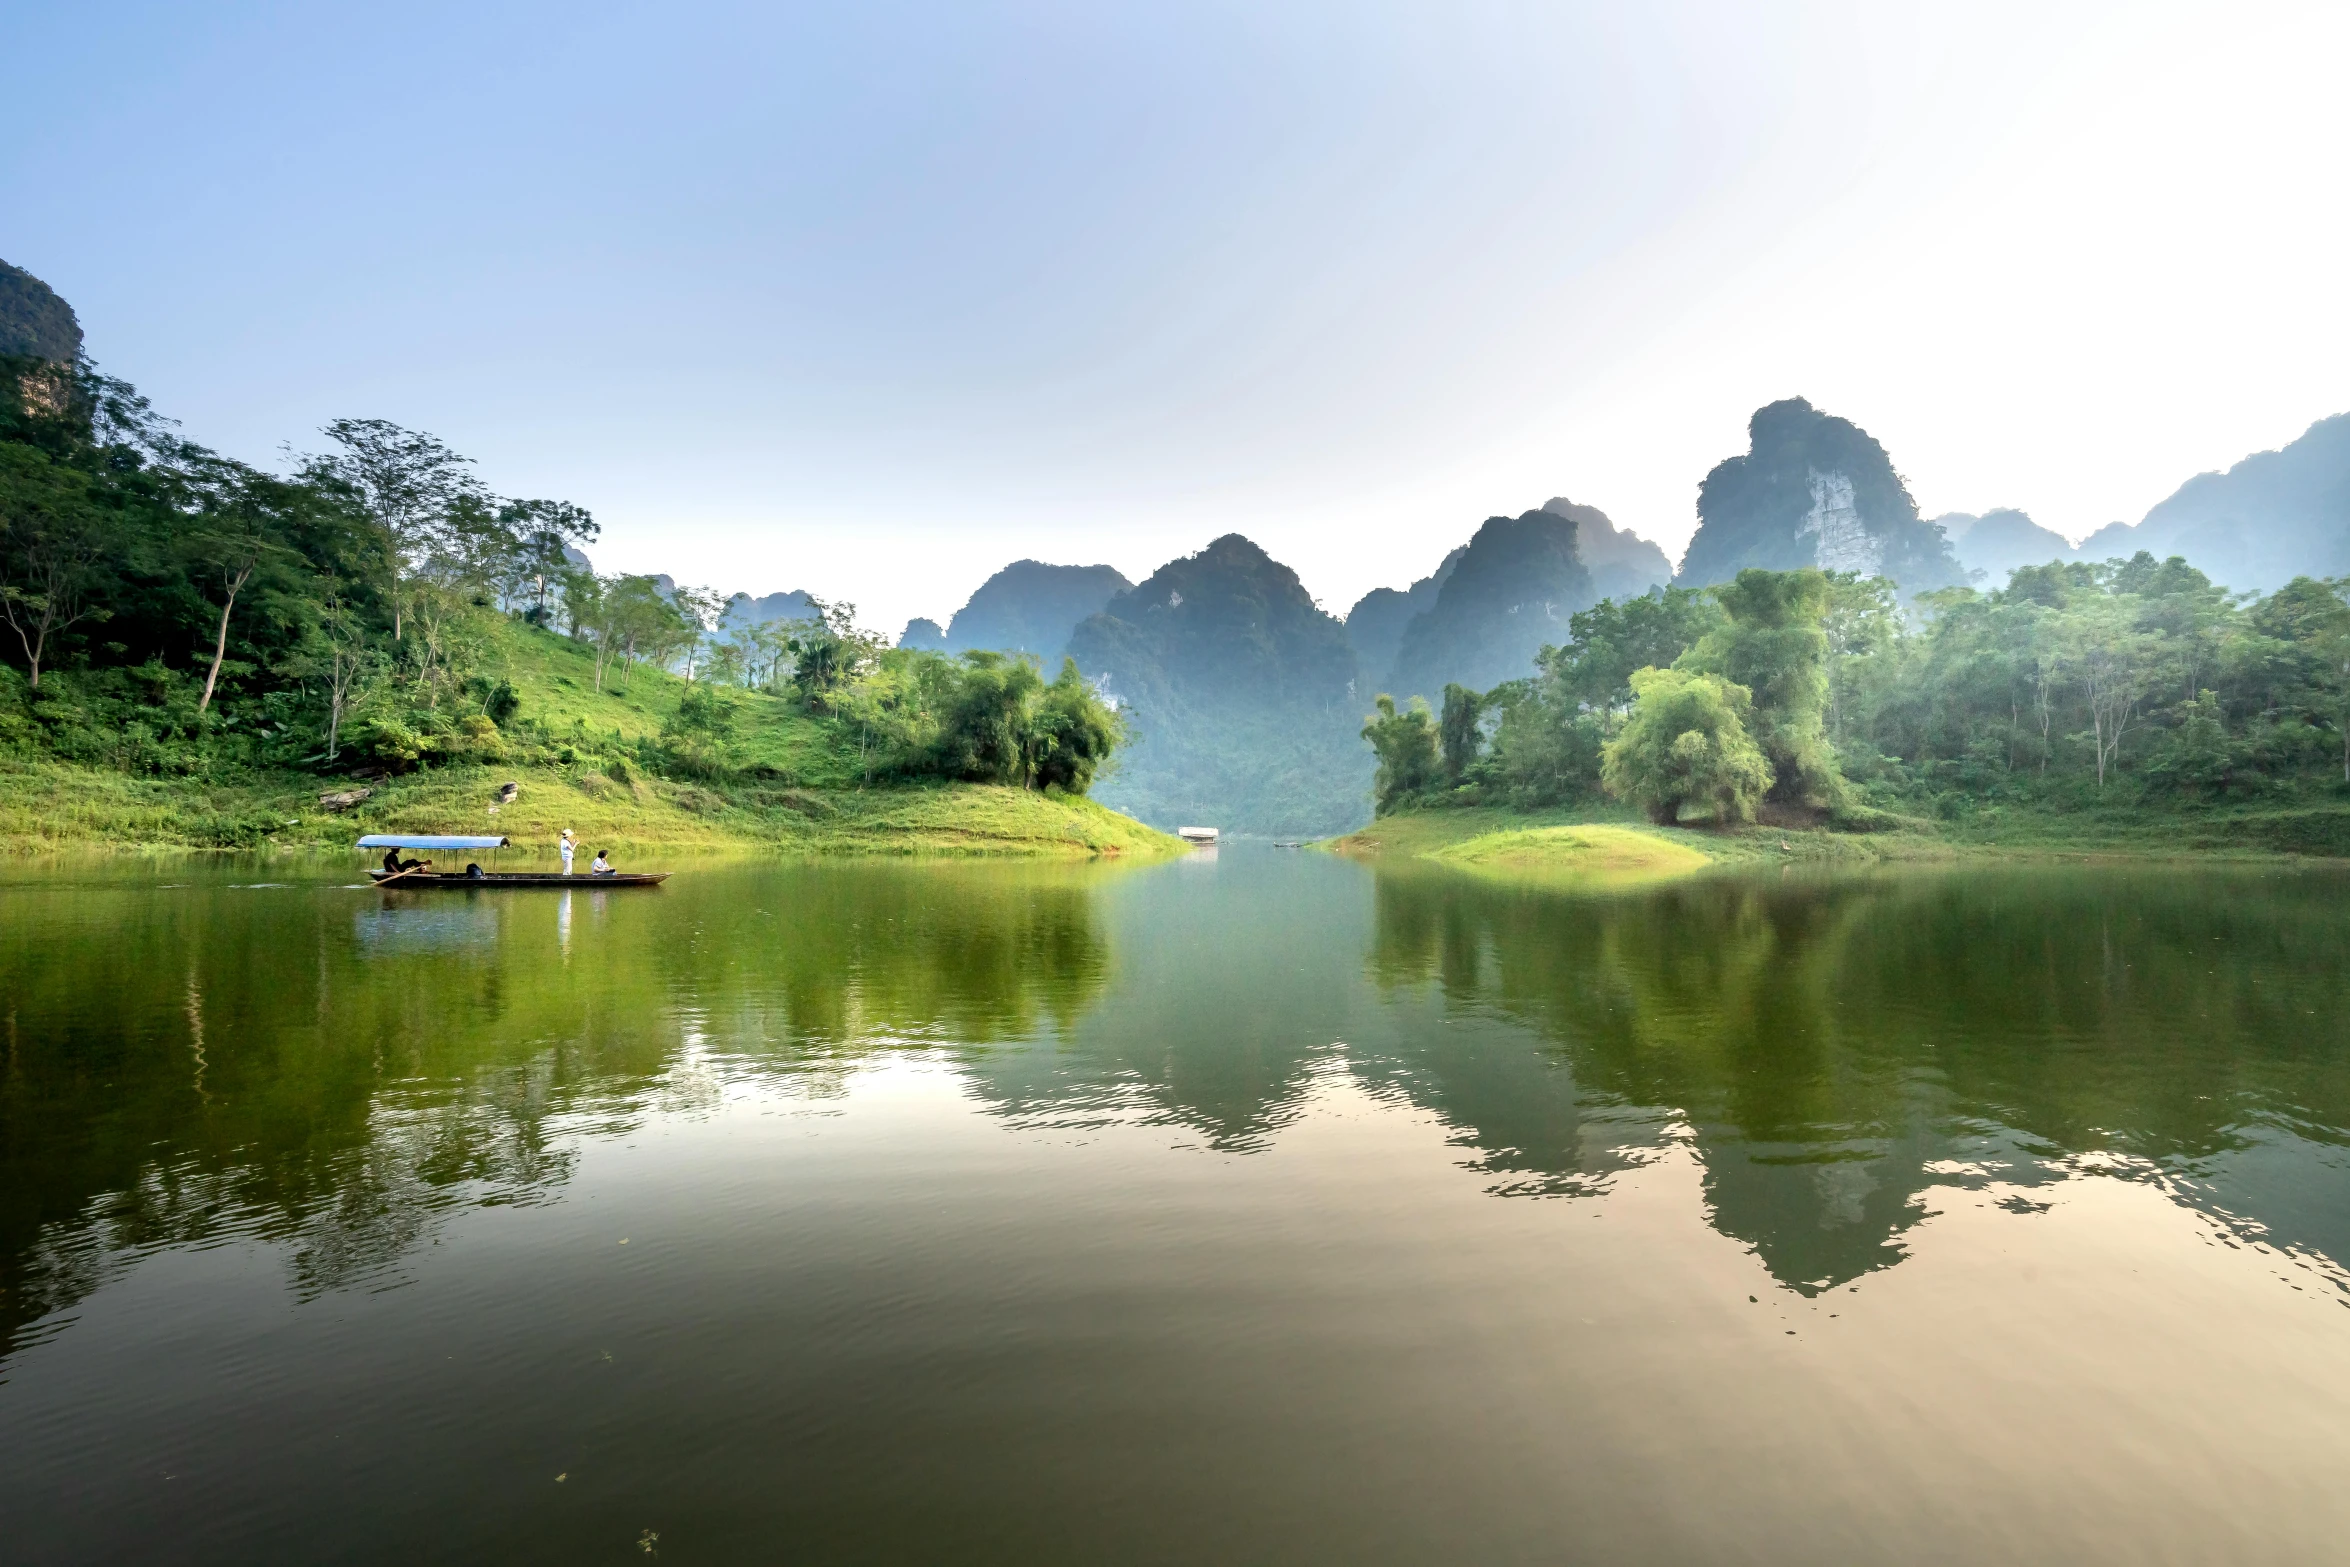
(1255, 1207)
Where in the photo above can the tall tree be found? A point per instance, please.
(56, 545)
(410, 483)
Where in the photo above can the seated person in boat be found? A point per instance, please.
(602, 866)
(394, 865)
(474, 873)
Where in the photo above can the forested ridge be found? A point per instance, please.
(170, 612)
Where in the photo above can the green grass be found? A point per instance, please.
(798, 788)
(1595, 852)
(1500, 840)
(47, 806)
(556, 679)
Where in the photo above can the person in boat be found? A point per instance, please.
(474, 873)
(602, 866)
(567, 844)
(394, 865)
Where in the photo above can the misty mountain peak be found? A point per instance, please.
(1812, 489)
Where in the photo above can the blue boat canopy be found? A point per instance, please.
(393, 840)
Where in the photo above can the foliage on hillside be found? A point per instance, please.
(2134, 687)
(173, 614)
(1240, 692)
(1812, 490)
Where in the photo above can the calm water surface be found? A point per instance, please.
(1261, 1208)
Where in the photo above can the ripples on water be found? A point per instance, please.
(1264, 1206)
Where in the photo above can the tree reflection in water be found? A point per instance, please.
(332, 1069)
(1832, 1048)
(335, 1070)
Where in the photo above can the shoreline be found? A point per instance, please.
(1497, 841)
(56, 807)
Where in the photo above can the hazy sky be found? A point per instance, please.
(873, 298)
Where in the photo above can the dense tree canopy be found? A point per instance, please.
(168, 610)
(2135, 682)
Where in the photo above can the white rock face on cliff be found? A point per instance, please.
(1842, 544)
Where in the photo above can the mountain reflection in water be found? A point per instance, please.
(1233, 1207)
(213, 1061)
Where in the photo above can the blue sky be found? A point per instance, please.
(872, 299)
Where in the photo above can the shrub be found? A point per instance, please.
(1686, 743)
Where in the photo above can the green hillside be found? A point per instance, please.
(794, 783)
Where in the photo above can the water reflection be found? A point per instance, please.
(332, 1069)
(1832, 1049)
(337, 1070)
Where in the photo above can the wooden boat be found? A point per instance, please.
(456, 844)
(520, 879)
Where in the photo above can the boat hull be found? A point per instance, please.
(440, 880)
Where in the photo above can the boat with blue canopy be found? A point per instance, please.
(420, 873)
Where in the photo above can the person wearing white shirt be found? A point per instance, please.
(569, 845)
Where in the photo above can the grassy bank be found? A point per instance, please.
(1603, 843)
(47, 806)
(789, 783)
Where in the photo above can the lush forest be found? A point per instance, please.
(1807, 696)
(170, 612)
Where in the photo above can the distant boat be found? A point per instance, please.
(1196, 834)
(420, 877)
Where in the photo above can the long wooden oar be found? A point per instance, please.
(410, 871)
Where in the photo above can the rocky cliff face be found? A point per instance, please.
(1242, 697)
(1031, 607)
(1813, 490)
(34, 322)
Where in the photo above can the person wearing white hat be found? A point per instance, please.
(568, 845)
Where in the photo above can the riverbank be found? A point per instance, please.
(48, 806)
(1610, 843)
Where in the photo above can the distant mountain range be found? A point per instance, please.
(1482, 615)
(744, 610)
(1375, 626)
(1242, 695)
(1028, 607)
(1622, 564)
(2270, 518)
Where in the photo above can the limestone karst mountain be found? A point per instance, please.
(1813, 490)
(1510, 595)
(1622, 564)
(1999, 541)
(34, 322)
(744, 610)
(1376, 624)
(1242, 695)
(2270, 518)
(922, 632)
(1031, 607)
